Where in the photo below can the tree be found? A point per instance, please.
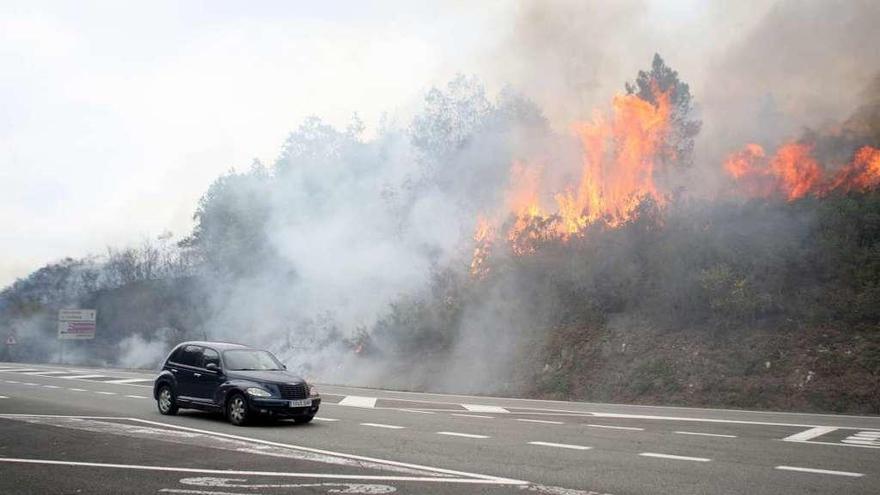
(679, 146)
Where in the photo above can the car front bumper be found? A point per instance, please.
(279, 407)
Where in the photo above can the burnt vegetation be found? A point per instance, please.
(705, 300)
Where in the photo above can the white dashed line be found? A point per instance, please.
(630, 428)
(358, 401)
(472, 416)
(674, 457)
(3, 397)
(51, 386)
(705, 434)
(326, 419)
(128, 380)
(45, 372)
(12, 381)
(29, 383)
(380, 425)
(82, 377)
(484, 409)
(561, 445)
(105, 393)
(819, 471)
(18, 370)
(77, 389)
(137, 397)
(465, 435)
(543, 421)
(417, 411)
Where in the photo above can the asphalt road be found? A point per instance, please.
(86, 430)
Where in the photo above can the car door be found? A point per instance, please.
(187, 366)
(207, 381)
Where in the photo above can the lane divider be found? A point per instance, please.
(819, 471)
(630, 428)
(472, 416)
(465, 435)
(695, 433)
(380, 425)
(542, 421)
(561, 445)
(674, 457)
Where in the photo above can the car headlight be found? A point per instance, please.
(258, 392)
(313, 391)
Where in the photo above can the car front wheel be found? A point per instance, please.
(165, 401)
(237, 410)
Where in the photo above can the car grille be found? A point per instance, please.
(294, 391)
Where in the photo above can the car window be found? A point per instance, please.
(210, 356)
(175, 356)
(250, 359)
(191, 356)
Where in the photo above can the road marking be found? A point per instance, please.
(77, 389)
(809, 434)
(465, 435)
(819, 471)
(128, 380)
(51, 386)
(3, 397)
(12, 381)
(561, 445)
(137, 397)
(358, 401)
(719, 435)
(29, 383)
(325, 419)
(78, 377)
(380, 425)
(472, 416)
(105, 393)
(484, 408)
(18, 370)
(674, 457)
(482, 480)
(45, 372)
(631, 428)
(417, 411)
(543, 421)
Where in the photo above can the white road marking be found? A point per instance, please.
(465, 435)
(543, 421)
(484, 408)
(325, 419)
(358, 401)
(128, 380)
(137, 397)
(631, 428)
(809, 434)
(674, 457)
(77, 389)
(12, 381)
(561, 445)
(29, 383)
(472, 416)
(279, 474)
(78, 377)
(51, 386)
(819, 471)
(380, 425)
(105, 393)
(417, 411)
(3, 397)
(719, 435)
(211, 482)
(45, 372)
(18, 370)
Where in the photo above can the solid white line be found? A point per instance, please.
(631, 428)
(465, 435)
(561, 445)
(416, 411)
(137, 397)
(495, 481)
(105, 393)
(472, 416)
(325, 419)
(358, 401)
(380, 425)
(819, 471)
(202, 492)
(484, 408)
(809, 434)
(78, 377)
(674, 457)
(543, 421)
(719, 435)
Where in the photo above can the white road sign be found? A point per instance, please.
(76, 324)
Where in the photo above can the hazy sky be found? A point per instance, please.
(116, 116)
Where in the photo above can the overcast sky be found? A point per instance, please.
(116, 116)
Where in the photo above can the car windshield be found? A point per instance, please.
(250, 360)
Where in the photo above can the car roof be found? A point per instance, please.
(220, 346)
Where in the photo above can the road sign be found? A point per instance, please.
(76, 324)
(11, 340)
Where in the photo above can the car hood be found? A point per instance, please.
(282, 376)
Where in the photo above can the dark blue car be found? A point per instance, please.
(237, 380)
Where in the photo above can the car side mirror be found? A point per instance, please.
(212, 367)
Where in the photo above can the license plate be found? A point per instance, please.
(301, 403)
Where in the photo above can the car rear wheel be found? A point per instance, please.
(237, 410)
(165, 401)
